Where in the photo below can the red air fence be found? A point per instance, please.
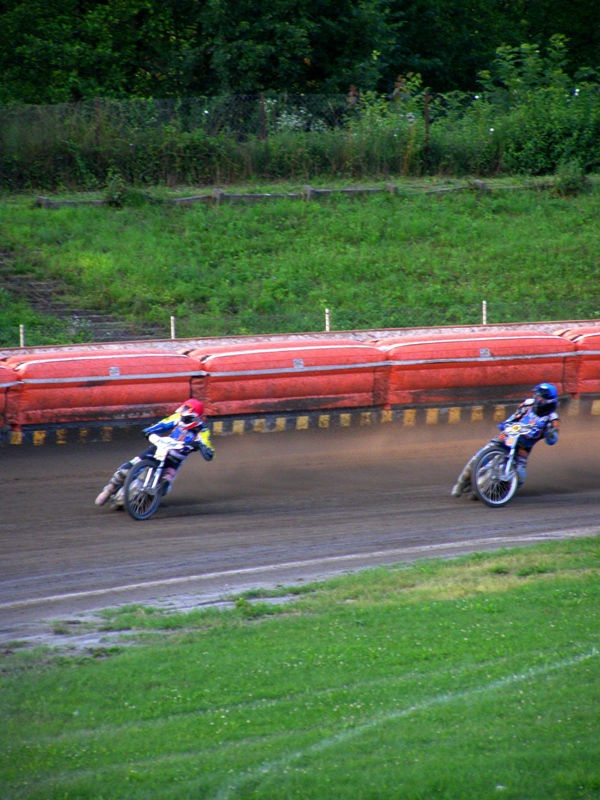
(451, 369)
(587, 343)
(9, 379)
(289, 376)
(83, 386)
(300, 374)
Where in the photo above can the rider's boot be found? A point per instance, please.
(104, 494)
(112, 486)
(463, 484)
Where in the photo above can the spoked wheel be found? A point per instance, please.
(490, 484)
(141, 501)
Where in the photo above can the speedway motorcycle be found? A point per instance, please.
(493, 475)
(145, 486)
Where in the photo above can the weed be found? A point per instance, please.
(571, 179)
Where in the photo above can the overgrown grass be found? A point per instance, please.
(467, 680)
(529, 120)
(382, 260)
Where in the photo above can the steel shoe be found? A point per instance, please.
(104, 495)
(461, 488)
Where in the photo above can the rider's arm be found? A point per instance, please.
(204, 445)
(162, 427)
(543, 428)
(551, 431)
(518, 414)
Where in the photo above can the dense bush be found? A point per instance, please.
(530, 118)
(70, 146)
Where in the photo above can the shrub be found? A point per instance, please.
(570, 179)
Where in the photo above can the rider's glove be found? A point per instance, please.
(551, 434)
(207, 452)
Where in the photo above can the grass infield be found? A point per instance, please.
(473, 678)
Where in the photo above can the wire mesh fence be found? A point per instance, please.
(242, 115)
(189, 139)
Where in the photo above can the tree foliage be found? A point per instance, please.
(54, 51)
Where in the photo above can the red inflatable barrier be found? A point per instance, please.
(476, 367)
(292, 375)
(8, 380)
(575, 333)
(587, 343)
(97, 385)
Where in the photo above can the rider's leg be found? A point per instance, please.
(521, 465)
(463, 484)
(171, 467)
(168, 478)
(115, 483)
(118, 479)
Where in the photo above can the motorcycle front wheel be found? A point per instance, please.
(489, 481)
(141, 501)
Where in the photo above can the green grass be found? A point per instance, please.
(382, 260)
(468, 679)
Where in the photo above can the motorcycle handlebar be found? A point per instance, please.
(174, 444)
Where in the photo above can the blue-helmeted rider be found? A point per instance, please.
(542, 413)
(188, 425)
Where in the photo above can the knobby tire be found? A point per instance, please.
(487, 481)
(140, 503)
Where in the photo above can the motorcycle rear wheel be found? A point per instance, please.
(488, 481)
(141, 503)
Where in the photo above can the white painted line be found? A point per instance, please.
(402, 552)
(268, 768)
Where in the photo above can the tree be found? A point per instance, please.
(296, 45)
(55, 51)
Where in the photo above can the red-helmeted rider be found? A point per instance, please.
(188, 425)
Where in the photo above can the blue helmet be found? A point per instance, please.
(545, 396)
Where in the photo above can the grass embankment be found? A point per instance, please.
(465, 680)
(382, 260)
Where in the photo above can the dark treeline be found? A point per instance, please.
(61, 51)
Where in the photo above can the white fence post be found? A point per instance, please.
(327, 320)
(22, 335)
(173, 328)
(484, 312)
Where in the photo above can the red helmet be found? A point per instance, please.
(191, 413)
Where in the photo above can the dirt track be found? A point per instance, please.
(271, 509)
